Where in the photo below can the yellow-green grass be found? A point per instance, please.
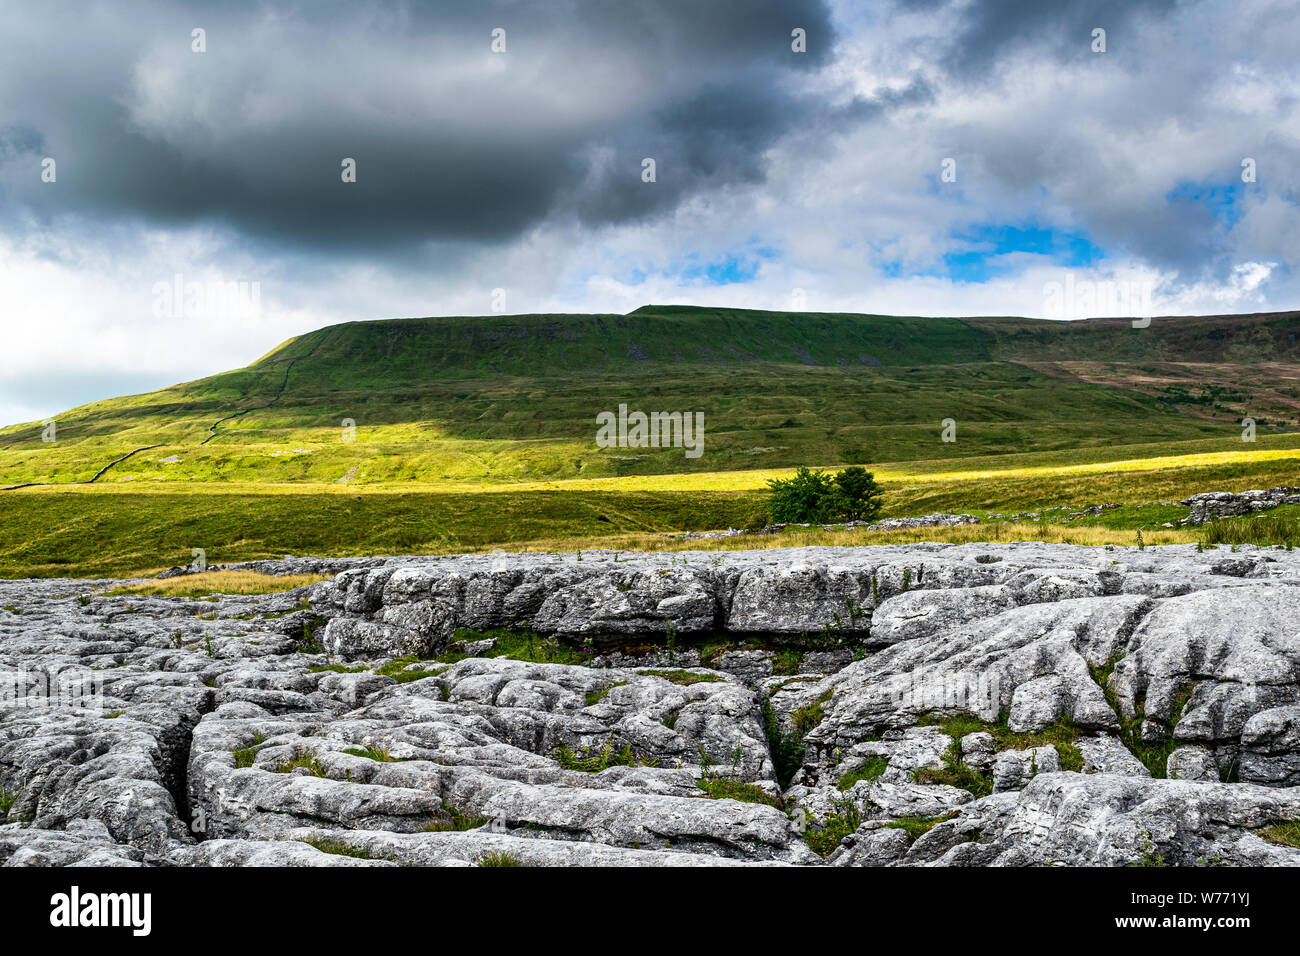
(123, 531)
(1270, 454)
(220, 582)
(857, 537)
(311, 459)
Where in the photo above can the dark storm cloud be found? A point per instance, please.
(718, 136)
(451, 141)
(987, 30)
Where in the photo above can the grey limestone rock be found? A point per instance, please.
(1014, 768)
(253, 731)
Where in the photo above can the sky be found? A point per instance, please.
(174, 204)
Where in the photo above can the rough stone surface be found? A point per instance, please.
(1107, 754)
(281, 730)
(1191, 763)
(1014, 768)
(1225, 504)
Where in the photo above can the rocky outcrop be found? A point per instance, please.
(911, 705)
(413, 606)
(1226, 504)
(940, 520)
(1094, 820)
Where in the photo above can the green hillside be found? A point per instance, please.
(514, 398)
(383, 352)
(1235, 339)
(473, 433)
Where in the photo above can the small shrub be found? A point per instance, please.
(834, 828)
(309, 643)
(1147, 855)
(812, 497)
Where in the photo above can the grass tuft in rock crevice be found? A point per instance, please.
(722, 788)
(339, 848)
(244, 756)
(786, 749)
(595, 761)
(1283, 834)
(596, 696)
(1154, 754)
(502, 858)
(917, 827)
(378, 754)
(683, 678)
(869, 771)
(1061, 734)
(7, 799)
(304, 760)
(455, 822)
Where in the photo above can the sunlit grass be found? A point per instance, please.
(1274, 453)
(221, 582)
(857, 537)
(138, 529)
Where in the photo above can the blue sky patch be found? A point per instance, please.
(982, 252)
(1221, 200)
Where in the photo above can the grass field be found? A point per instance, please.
(129, 530)
(479, 433)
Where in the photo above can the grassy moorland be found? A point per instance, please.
(479, 433)
(119, 530)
